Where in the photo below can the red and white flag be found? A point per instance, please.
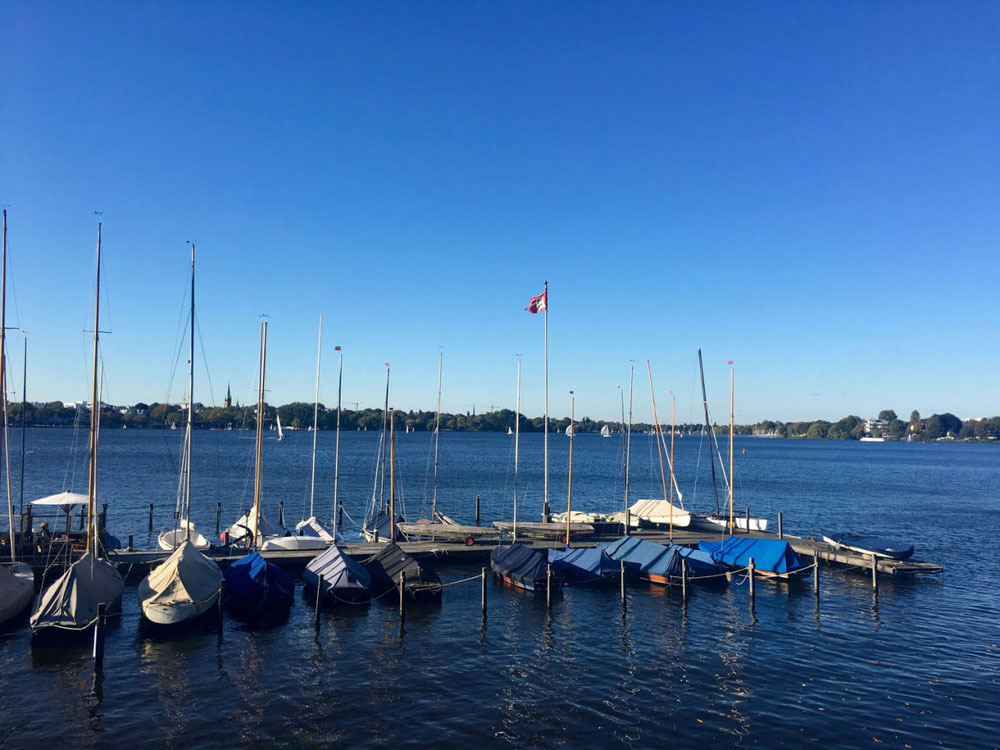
(538, 304)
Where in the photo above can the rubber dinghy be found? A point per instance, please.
(421, 585)
(872, 545)
(343, 579)
(583, 564)
(523, 567)
(773, 558)
(661, 563)
(253, 585)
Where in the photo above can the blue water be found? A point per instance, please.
(914, 667)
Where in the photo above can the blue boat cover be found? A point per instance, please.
(770, 555)
(879, 545)
(253, 583)
(649, 558)
(343, 578)
(523, 565)
(582, 564)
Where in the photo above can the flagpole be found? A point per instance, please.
(546, 509)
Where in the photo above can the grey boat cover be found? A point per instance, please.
(385, 567)
(343, 578)
(71, 602)
(186, 577)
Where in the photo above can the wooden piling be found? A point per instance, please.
(484, 592)
(99, 637)
(816, 575)
(477, 510)
(340, 517)
(218, 518)
(748, 520)
(319, 595)
(875, 573)
(781, 530)
(628, 520)
(621, 573)
(548, 586)
(150, 516)
(684, 578)
(376, 536)
(402, 594)
(750, 578)
(130, 546)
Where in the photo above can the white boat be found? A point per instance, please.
(605, 431)
(569, 430)
(185, 585)
(240, 531)
(281, 434)
(510, 432)
(869, 439)
(712, 522)
(71, 602)
(171, 540)
(657, 513)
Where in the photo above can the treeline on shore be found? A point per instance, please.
(299, 416)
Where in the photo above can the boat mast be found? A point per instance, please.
(708, 428)
(24, 411)
(628, 435)
(437, 438)
(260, 431)
(732, 375)
(517, 436)
(385, 417)
(3, 388)
(569, 486)
(312, 481)
(546, 510)
(659, 447)
(392, 476)
(673, 422)
(95, 415)
(336, 451)
(190, 424)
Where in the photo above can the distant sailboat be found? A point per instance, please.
(605, 432)
(281, 434)
(510, 432)
(569, 430)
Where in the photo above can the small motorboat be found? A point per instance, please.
(872, 545)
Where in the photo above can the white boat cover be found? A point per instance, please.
(186, 577)
(658, 512)
(294, 543)
(62, 498)
(244, 527)
(312, 527)
(70, 603)
(169, 540)
(17, 585)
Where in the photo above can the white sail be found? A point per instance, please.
(605, 431)
(281, 434)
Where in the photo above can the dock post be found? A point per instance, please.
(130, 547)
(621, 573)
(816, 575)
(750, 572)
(548, 586)
(99, 637)
(281, 513)
(628, 520)
(477, 510)
(402, 594)
(319, 594)
(150, 516)
(781, 530)
(748, 521)
(875, 574)
(83, 518)
(340, 517)
(376, 536)
(219, 603)
(218, 518)
(684, 578)
(484, 593)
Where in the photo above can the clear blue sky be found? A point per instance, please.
(809, 189)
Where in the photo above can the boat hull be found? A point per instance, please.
(17, 586)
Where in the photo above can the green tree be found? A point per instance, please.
(818, 430)
(887, 415)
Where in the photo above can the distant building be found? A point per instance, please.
(229, 398)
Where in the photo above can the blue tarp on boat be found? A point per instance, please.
(774, 556)
(582, 564)
(879, 545)
(651, 559)
(252, 583)
(524, 566)
(343, 578)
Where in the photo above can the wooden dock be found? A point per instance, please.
(138, 562)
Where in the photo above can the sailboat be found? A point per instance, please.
(440, 525)
(380, 521)
(253, 584)
(187, 583)
(17, 580)
(510, 432)
(281, 434)
(605, 431)
(310, 533)
(70, 604)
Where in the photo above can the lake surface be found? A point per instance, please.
(918, 666)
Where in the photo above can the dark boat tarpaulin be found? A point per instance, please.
(343, 578)
(522, 565)
(385, 567)
(583, 563)
(254, 583)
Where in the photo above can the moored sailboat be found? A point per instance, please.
(70, 604)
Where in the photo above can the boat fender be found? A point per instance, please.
(470, 541)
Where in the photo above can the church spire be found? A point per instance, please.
(229, 397)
